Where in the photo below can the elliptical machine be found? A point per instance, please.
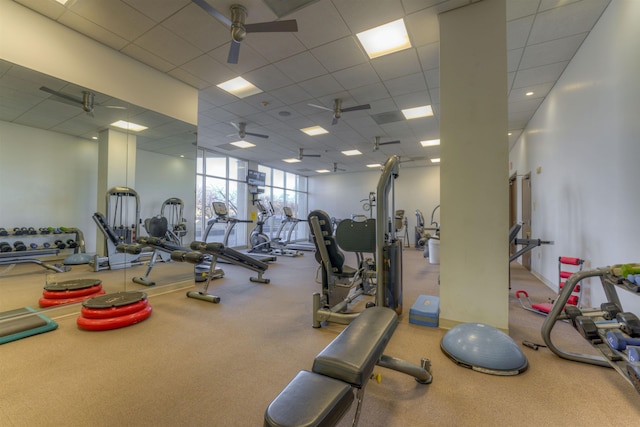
(260, 242)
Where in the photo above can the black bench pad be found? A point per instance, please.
(353, 354)
(309, 400)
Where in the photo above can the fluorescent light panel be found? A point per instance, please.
(134, 127)
(374, 165)
(417, 112)
(315, 130)
(239, 87)
(291, 160)
(430, 143)
(352, 152)
(435, 160)
(323, 171)
(385, 39)
(243, 144)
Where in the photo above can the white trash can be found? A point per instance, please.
(434, 251)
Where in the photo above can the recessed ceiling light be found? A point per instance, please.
(430, 143)
(352, 152)
(435, 160)
(315, 130)
(374, 165)
(128, 126)
(417, 112)
(63, 2)
(291, 160)
(243, 144)
(509, 134)
(529, 93)
(323, 170)
(385, 39)
(239, 87)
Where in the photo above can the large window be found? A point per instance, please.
(221, 179)
(290, 190)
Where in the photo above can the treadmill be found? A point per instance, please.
(293, 223)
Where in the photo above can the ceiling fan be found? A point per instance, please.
(242, 131)
(239, 29)
(86, 102)
(336, 168)
(338, 110)
(377, 143)
(301, 154)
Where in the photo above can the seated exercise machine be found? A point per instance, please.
(290, 223)
(261, 243)
(527, 244)
(222, 217)
(121, 227)
(331, 303)
(322, 396)
(177, 228)
(611, 330)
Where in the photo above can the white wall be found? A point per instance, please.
(585, 138)
(340, 195)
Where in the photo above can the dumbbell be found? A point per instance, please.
(72, 243)
(33, 245)
(3, 232)
(60, 244)
(630, 323)
(31, 231)
(17, 231)
(617, 341)
(633, 353)
(46, 245)
(5, 247)
(19, 246)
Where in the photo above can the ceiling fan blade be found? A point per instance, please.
(390, 142)
(290, 25)
(312, 155)
(357, 107)
(211, 11)
(62, 95)
(257, 134)
(321, 107)
(234, 52)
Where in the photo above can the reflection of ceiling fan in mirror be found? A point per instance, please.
(336, 168)
(86, 102)
(239, 29)
(302, 155)
(338, 110)
(377, 143)
(242, 131)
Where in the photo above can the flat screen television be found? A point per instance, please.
(256, 178)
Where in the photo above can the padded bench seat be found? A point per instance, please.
(322, 397)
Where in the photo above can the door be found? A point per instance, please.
(513, 215)
(526, 217)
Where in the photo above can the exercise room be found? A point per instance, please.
(319, 212)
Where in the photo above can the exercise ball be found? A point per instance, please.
(483, 348)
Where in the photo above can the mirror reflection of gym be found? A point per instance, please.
(50, 183)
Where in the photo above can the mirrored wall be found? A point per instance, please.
(70, 181)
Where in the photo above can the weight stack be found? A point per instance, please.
(392, 275)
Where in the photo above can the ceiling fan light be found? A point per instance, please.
(239, 87)
(385, 39)
(430, 143)
(292, 160)
(243, 144)
(417, 112)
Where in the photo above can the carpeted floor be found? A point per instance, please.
(194, 363)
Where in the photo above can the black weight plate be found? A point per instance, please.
(71, 285)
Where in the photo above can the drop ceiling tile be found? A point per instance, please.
(513, 59)
(249, 59)
(321, 86)
(291, 94)
(354, 77)
(406, 84)
(423, 27)
(429, 56)
(540, 90)
(321, 23)
(397, 64)
(552, 51)
(158, 10)
(268, 78)
(370, 93)
(518, 32)
(115, 16)
(564, 21)
(302, 66)
(96, 32)
(274, 46)
(340, 54)
(411, 100)
(192, 23)
(188, 78)
(168, 46)
(520, 8)
(363, 15)
(53, 10)
(433, 78)
(539, 75)
(206, 68)
(147, 57)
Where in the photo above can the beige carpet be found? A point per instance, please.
(194, 363)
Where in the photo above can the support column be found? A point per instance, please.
(474, 268)
(116, 168)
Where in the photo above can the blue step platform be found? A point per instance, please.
(425, 311)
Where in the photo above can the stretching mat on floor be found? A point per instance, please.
(22, 323)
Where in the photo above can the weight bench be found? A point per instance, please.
(322, 396)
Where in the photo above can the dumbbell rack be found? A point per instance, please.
(39, 238)
(611, 280)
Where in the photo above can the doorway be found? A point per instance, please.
(526, 217)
